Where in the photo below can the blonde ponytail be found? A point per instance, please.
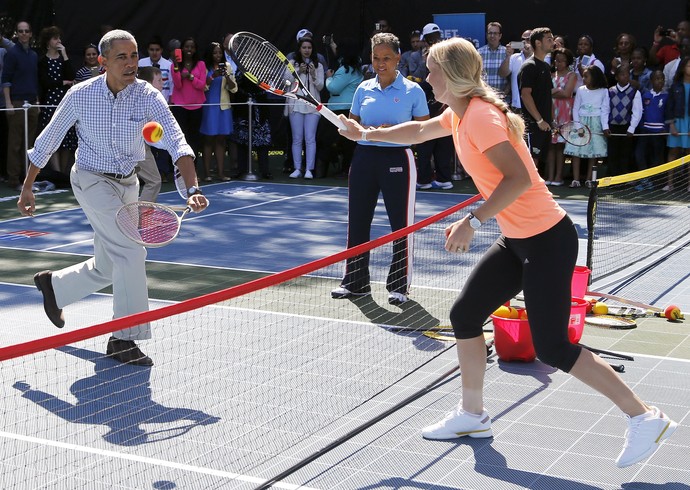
(461, 65)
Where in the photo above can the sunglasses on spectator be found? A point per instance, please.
(23, 31)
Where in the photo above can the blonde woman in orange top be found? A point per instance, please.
(536, 252)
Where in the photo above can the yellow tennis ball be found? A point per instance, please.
(514, 313)
(600, 308)
(503, 312)
(152, 132)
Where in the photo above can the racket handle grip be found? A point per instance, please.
(331, 116)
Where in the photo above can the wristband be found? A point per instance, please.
(364, 135)
(540, 121)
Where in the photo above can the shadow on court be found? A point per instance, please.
(119, 397)
(412, 317)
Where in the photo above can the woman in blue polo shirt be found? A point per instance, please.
(388, 168)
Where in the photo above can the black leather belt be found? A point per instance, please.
(119, 176)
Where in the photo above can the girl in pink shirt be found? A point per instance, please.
(536, 252)
(189, 80)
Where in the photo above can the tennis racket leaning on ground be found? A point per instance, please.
(269, 69)
(575, 133)
(150, 224)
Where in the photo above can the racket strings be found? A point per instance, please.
(148, 224)
(262, 62)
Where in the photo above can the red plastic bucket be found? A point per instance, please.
(580, 281)
(513, 338)
(576, 324)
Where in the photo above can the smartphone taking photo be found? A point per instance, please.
(517, 45)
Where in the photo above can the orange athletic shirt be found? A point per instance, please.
(482, 127)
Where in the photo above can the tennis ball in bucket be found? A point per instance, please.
(514, 313)
(502, 311)
(600, 308)
(522, 314)
(672, 312)
(152, 132)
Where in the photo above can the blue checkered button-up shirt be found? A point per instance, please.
(109, 127)
(492, 60)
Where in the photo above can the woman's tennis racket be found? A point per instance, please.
(265, 66)
(150, 224)
(179, 183)
(575, 133)
(611, 322)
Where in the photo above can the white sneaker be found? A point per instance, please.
(296, 174)
(435, 184)
(397, 298)
(308, 175)
(424, 186)
(344, 293)
(644, 435)
(459, 423)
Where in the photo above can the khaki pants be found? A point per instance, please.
(16, 151)
(148, 172)
(116, 259)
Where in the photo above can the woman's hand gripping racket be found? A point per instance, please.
(150, 224)
(575, 133)
(265, 66)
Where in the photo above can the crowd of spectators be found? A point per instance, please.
(209, 100)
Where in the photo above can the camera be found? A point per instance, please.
(221, 67)
(377, 26)
(517, 45)
(666, 32)
(327, 39)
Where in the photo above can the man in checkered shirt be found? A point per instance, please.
(493, 54)
(109, 112)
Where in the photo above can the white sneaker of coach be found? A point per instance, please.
(645, 434)
(459, 423)
(296, 174)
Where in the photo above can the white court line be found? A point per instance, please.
(147, 460)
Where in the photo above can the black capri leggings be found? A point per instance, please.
(542, 267)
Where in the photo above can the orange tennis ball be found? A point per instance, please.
(672, 312)
(503, 312)
(152, 132)
(523, 314)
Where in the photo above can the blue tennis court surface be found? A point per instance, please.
(191, 420)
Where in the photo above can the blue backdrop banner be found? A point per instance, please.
(470, 26)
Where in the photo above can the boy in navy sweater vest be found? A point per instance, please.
(625, 115)
(650, 150)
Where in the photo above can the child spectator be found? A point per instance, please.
(639, 73)
(564, 80)
(625, 115)
(677, 116)
(591, 108)
(650, 149)
(148, 170)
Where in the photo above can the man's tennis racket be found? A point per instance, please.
(265, 66)
(575, 133)
(150, 224)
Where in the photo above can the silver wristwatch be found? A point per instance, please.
(194, 190)
(474, 221)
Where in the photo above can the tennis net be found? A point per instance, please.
(247, 381)
(637, 220)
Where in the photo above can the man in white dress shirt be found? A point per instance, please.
(103, 179)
